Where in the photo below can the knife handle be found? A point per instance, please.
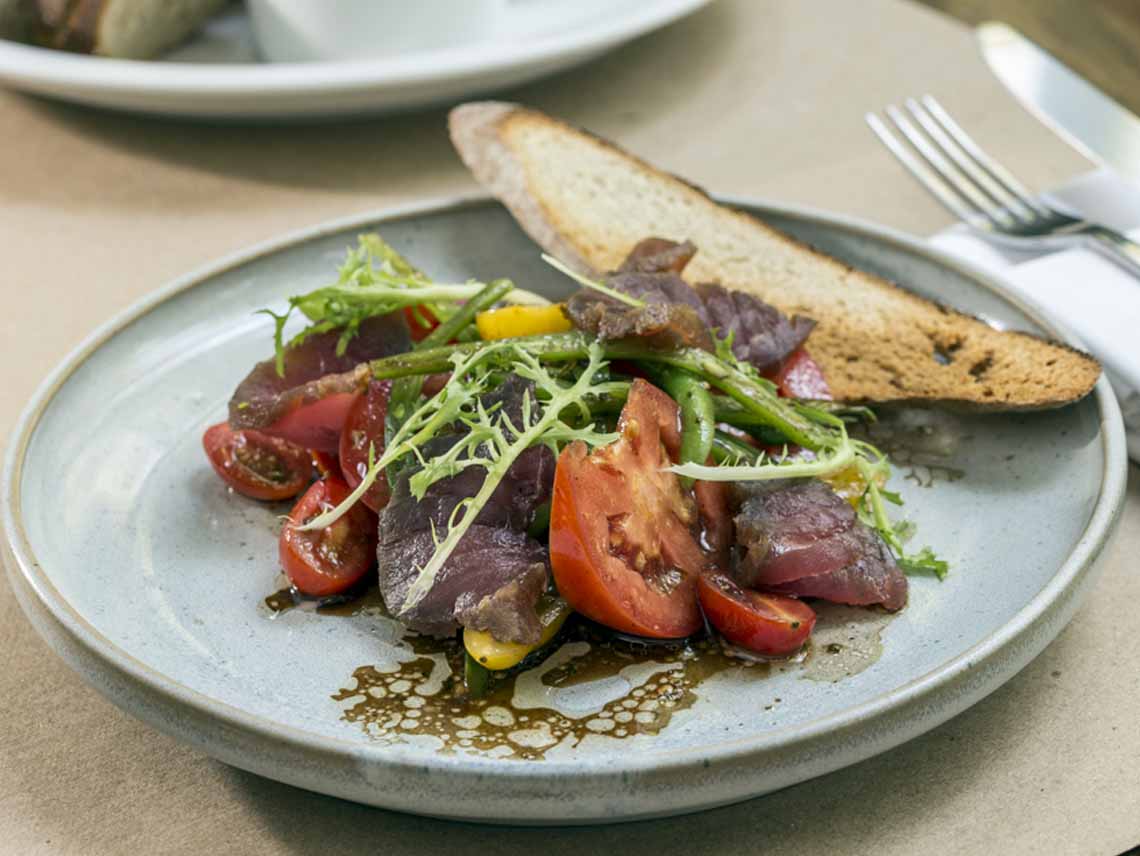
(1116, 246)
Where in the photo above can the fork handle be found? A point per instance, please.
(1116, 246)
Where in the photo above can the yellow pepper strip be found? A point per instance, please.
(511, 321)
(492, 654)
(849, 484)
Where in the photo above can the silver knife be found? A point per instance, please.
(1091, 122)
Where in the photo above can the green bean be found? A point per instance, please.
(541, 523)
(454, 324)
(698, 421)
(732, 412)
(726, 411)
(812, 429)
(550, 347)
(759, 398)
(476, 676)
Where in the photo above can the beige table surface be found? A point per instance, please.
(748, 97)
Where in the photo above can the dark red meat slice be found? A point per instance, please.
(761, 334)
(664, 326)
(678, 315)
(508, 613)
(473, 586)
(495, 575)
(309, 403)
(872, 578)
(804, 539)
(674, 316)
(790, 532)
(658, 255)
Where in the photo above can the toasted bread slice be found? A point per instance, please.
(588, 202)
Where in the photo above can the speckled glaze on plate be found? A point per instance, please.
(147, 577)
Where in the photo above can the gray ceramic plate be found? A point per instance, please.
(148, 578)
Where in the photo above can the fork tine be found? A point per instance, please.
(995, 169)
(956, 153)
(926, 177)
(953, 176)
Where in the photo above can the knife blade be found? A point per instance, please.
(1083, 116)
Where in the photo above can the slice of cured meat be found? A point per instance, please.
(802, 538)
(309, 402)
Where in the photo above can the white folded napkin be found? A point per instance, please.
(1088, 294)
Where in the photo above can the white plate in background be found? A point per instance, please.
(218, 74)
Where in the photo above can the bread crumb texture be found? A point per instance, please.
(140, 29)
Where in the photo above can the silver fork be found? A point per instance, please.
(985, 194)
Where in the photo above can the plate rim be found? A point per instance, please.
(1073, 571)
(31, 65)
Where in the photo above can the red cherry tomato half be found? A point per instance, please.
(801, 377)
(770, 624)
(327, 561)
(255, 464)
(717, 530)
(621, 543)
(325, 464)
(364, 428)
(421, 321)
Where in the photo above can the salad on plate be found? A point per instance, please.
(662, 460)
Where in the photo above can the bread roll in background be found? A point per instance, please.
(126, 29)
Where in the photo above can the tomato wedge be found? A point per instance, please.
(330, 560)
(325, 464)
(717, 529)
(801, 377)
(770, 624)
(255, 464)
(621, 542)
(364, 429)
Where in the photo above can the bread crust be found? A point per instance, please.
(912, 350)
(103, 26)
(69, 26)
(475, 134)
